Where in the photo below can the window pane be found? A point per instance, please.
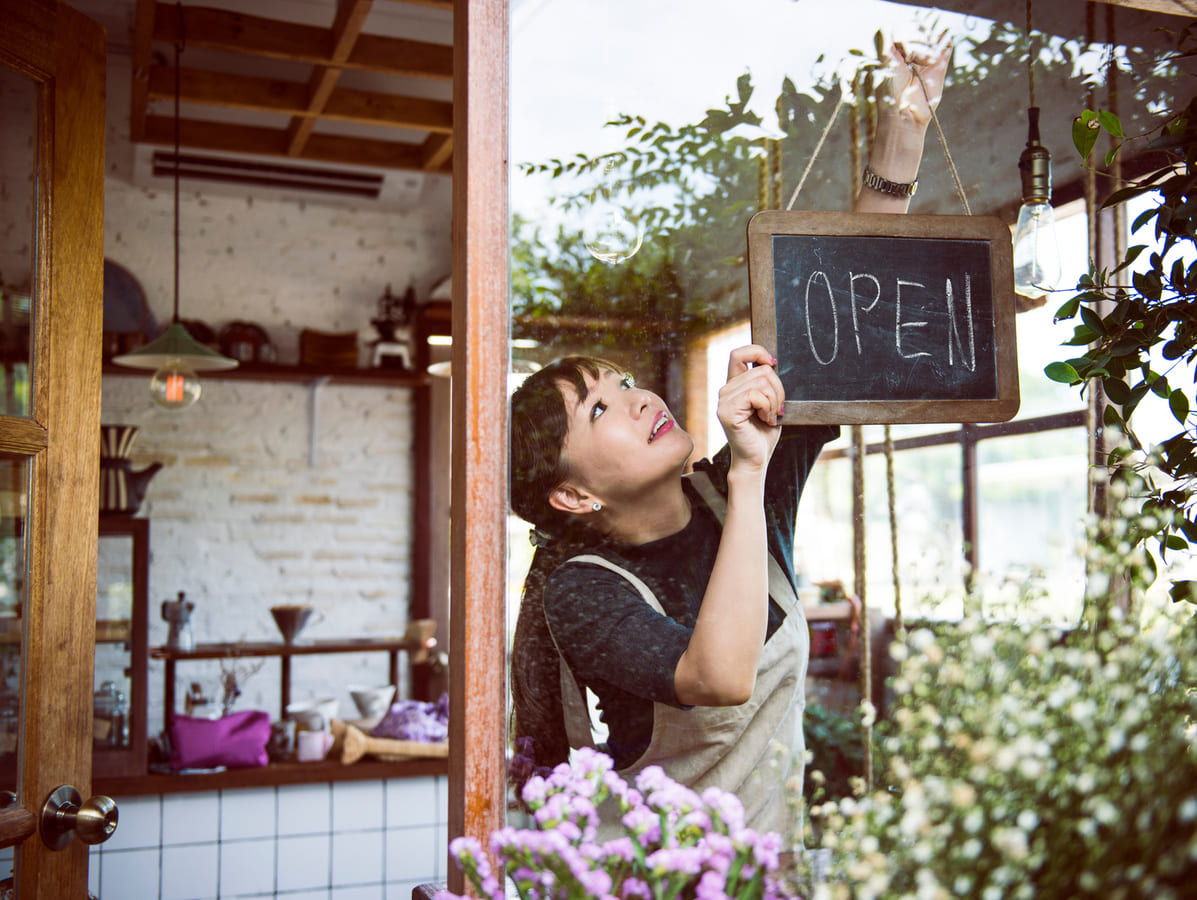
(927, 501)
(1031, 506)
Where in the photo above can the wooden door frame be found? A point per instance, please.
(477, 639)
(59, 647)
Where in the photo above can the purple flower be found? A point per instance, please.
(643, 823)
(725, 807)
(710, 887)
(721, 851)
(675, 860)
(535, 791)
(634, 887)
(620, 848)
(767, 850)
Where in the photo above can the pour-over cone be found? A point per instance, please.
(290, 620)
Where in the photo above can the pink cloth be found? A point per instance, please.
(235, 741)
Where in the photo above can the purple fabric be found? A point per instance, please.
(414, 720)
(235, 741)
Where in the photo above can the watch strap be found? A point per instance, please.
(871, 179)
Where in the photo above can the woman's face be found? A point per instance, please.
(621, 439)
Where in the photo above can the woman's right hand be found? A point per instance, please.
(749, 406)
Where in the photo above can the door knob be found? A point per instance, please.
(65, 815)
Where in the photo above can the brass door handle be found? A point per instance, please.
(65, 815)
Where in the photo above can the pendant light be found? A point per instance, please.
(176, 356)
(1036, 246)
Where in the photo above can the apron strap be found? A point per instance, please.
(578, 726)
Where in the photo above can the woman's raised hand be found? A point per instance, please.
(749, 405)
(905, 95)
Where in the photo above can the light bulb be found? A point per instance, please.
(1036, 250)
(1036, 247)
(174, 386)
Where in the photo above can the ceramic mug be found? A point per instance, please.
(313, 715)
(312, 746)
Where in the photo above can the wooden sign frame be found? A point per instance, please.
(987, 238)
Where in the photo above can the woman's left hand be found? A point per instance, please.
(749, 405)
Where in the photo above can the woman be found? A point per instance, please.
(671, 596)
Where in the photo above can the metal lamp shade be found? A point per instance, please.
(175, 344)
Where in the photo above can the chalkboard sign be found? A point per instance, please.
(883, 318)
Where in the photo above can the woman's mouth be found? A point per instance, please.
(662, 424)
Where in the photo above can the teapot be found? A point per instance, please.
(121, 488)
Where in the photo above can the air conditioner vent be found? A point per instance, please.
(344, 182)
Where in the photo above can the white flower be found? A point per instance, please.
(1188, 809)
(1011, 841)
(868, 714)
(973, 820)
(964, 795)
(1115, 740)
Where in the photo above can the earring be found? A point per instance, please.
(597, 507)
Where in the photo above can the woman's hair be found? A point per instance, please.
(539, 424)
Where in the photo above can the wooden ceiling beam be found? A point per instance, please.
(218, 29)
(1168, 7)
(254, 140)
(289, 98)
(351, 17)
(438, 152)
(435, 4)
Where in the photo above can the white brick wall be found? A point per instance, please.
(242, 519)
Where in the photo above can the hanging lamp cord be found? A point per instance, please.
(178, 52)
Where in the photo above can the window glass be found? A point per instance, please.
(927, 502)
(1031, 510)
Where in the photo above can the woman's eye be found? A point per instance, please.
(597, 410)
(628, 381)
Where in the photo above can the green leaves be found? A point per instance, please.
(1136, 323)
(1062, 372)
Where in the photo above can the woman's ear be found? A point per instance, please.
(569, 499)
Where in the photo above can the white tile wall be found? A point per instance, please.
(340, 841)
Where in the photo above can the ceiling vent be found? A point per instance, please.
(269, 175)
(394, 191)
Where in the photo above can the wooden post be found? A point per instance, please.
(477, 690)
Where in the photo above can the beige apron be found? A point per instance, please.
(752, 750)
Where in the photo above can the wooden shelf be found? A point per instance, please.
(273, 774)
(380, 377)
(231, 650)
(416, 642)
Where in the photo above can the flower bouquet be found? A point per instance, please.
(671, 842)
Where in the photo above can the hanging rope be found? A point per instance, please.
(891, 496)
(815, 153)
(858, 508)
(943, 142)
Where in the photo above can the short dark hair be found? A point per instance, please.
(539, 424)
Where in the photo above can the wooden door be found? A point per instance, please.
(51, 282)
